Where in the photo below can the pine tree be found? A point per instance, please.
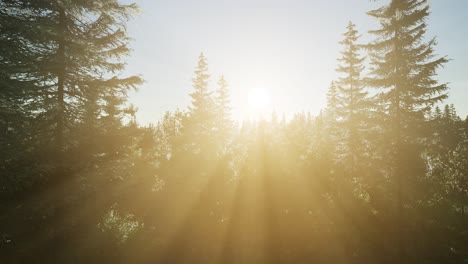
(224, 121)
(16, 130)
(352, 105)
(202, 101)
(61, 56)
(330, 117)
(332, 100)
(403, 69)
(74, 44)
(402, 64)
(200, 124)
(437, 113)
(448, 129)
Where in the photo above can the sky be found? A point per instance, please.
(288, 48)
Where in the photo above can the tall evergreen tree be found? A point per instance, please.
(64, 55)
(403, 69)
(402, 63)
(17, 135)
(202, 101)
(76, 47)
(352, 105)
(200, 123)
(349, 125)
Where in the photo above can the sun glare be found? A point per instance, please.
(259, 101)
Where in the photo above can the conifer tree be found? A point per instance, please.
(403, 66)
(223, 106)
(330, 116)
(352, 105)
(223, 122)
(64, 55)
(332, 100)
(74, 45)
(446, 129)
(200, 124)
(202, 101)
(16, 131)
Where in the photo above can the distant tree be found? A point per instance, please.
(447, 129)
(352, 105)
(202, 100)
(329, 118)
(199, 127)
(223, 111)
(332, 100)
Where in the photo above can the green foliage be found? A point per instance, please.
(370, 179)
(119, 226)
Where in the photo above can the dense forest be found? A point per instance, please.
(380, 175)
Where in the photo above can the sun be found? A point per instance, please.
(259, 102)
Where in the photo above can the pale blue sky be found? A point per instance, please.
(287, 47)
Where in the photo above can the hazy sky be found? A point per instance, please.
(287, 47)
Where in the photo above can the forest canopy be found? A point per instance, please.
(379, 175)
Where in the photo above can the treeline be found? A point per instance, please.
(379, 176)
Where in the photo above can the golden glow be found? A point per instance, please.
(259, 102)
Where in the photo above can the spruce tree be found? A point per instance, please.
(330, 117)
(200, 124)
(60, 57)
(16, 117)
(223, 112)
(202, 101)
(352, 105)
(77, 46)
(403, 66)
(332, 100)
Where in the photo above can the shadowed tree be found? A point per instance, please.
(67, 56)
(403, 66)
